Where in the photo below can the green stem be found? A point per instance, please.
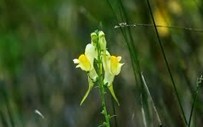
(104, 110)
(102, 89)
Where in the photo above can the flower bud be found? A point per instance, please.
(102, 41)
(93, 38)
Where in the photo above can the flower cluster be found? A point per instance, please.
(99, 64)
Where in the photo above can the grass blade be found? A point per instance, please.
(199, 82)
(153, 105)
(143, 113)
(166, 62)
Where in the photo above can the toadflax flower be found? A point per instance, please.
(112, 67)
(97, 61)
(85, 62)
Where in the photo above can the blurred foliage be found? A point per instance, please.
(40, 38)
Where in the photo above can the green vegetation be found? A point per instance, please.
(160, 43)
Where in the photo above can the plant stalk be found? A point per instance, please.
(102, 89)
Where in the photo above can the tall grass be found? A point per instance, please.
(127, 34)
(39, 39)
(123, 24)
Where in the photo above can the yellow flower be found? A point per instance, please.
(112, 67)
(115, 66)
(111, 64)
(85, 62)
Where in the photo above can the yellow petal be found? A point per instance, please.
(90, 52)
(161, 18)
(115, 66)
(93, 74)
(83, 62)
(75, 61)
(108, 78)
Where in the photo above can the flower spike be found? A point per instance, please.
(99, 64)
(112, 67)
(85, 62)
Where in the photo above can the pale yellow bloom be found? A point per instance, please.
(111, 64)
(115, 66)
(85, 62)
(162, 18)
(112, 67)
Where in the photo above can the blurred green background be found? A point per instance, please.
(40, 38)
